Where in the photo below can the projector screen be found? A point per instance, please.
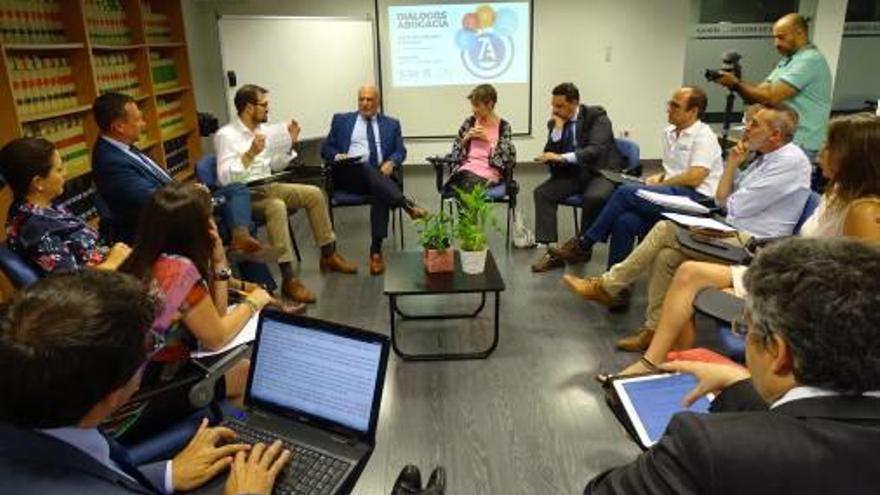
(432, 53)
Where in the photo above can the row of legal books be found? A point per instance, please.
(176, 155)
(164, 71)
(69, 137)
(117, 72)
(42, 84)
(107, 23)
(31, 21)
(170, 117)
(157, 27)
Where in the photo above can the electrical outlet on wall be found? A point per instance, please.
(624, 133)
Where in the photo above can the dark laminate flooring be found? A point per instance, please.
(527, 420)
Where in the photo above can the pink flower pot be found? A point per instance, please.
(439, 261)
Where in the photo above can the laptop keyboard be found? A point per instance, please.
(307, 472)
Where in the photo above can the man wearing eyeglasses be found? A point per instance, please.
(245, 154)
(692, 166)
(804, 417)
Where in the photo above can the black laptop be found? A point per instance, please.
(317, 386)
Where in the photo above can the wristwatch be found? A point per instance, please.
(223, 274)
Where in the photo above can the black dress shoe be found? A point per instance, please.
(436, 483)
(409, 481)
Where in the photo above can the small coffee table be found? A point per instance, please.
(405, 275)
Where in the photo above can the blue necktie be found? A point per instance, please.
(568, 136)
(374, 150)
(154, 169)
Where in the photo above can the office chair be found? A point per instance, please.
(18, 270)
(631, 153)
(206, 173)
(505, 192)
(338, 198)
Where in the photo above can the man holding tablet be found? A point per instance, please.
(805, 416)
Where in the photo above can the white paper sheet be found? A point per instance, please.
(247, 335)
(699, 222)
(680, 203)
(278, 144)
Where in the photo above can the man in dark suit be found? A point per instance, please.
(805, 416)
(580, 142)
(378, 140)
(72, 349)
(126, 178)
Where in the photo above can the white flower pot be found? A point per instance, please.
(473, 262)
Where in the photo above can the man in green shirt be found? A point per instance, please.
(801, 80)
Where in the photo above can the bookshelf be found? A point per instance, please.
(57, 56)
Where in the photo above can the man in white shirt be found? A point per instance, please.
(247, 150)
(73, 348)
(692, 166)
(804, 417)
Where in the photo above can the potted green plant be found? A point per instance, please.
(474, 217)
(435, 236)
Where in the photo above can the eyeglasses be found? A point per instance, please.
(263, 104)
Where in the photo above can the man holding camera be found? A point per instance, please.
(801, 80)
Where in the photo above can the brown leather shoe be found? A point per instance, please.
(377, 264)
(295, 290)
(637, 342)
(588, 288)
(546, 263)
(570, 252)
(245, 243)
(336, 263)
(415, 212)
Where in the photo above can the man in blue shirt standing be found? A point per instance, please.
(801, 80)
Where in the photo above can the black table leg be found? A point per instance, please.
(445, 356)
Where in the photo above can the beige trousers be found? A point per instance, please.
(659, 255)
(273, 203)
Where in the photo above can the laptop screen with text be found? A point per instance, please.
(323, 374)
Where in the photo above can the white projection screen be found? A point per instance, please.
(433, 52)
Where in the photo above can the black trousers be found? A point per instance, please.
(595, 189)
(385, 192)
(463, 180)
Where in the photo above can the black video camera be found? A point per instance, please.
(729, 63)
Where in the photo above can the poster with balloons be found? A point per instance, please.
(459, 44)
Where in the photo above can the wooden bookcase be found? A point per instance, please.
(132, 46)
(57, 56)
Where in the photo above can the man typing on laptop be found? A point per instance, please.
(72, 349)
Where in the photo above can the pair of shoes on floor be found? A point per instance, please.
(409, 482)
(571, 252)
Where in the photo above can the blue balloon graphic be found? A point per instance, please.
(506, 22)
(465, 39)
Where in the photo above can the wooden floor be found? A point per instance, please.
(527, 420)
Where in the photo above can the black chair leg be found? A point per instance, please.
(507, 243)
(293, 241)
(400, 227)
(577, 227)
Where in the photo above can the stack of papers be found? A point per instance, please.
(245, 336)
(679, 203)
(699, 222)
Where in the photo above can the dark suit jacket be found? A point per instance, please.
(339, 139)
(595, 145)
(817, 445)
(125, 185)
(33, 463)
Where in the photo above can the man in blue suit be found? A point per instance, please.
(126, 178)
(72, 350)
(378, 141)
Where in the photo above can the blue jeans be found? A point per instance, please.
(626, 217)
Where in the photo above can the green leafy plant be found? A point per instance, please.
(474, 217)
(435, 231)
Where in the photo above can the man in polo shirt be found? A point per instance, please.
(692, 166)
(801, 80)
